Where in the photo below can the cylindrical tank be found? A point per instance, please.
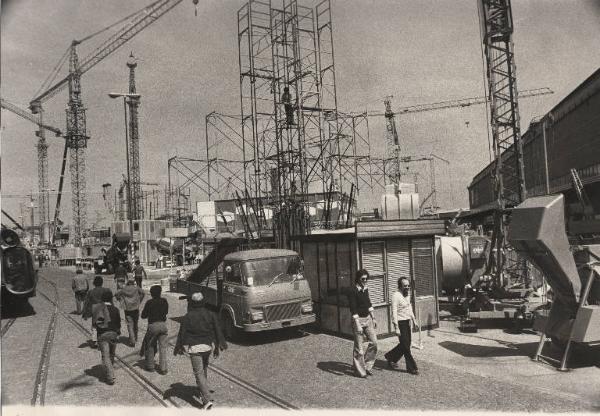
(454, 263)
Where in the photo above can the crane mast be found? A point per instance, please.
(508, 177)
(392, 142)
(134, 144)
(77, 143)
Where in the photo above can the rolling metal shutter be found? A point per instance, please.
(372, 261)
(422, 256)
(398, 262)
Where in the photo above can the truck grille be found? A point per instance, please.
(279, 312)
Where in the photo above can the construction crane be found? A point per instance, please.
(76, 119)
(42, 154)
(462, 102)
(508, 178)
(392, 155)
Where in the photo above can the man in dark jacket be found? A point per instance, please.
(107, 320)
(93, 297)
(155, 310)
(131, 297)
(199, 335)
(363, 325)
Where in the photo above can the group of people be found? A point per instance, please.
(364, 325)
(200, 334)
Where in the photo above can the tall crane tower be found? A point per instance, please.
(392, 142)
(42, 157)
(509, 178)
(76, 118)
(134, 144)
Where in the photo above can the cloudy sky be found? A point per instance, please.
(419, 51)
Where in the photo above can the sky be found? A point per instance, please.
(418, 51)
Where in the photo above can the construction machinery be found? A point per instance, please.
(76, 135)
(537, 231)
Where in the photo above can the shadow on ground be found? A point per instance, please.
(477, 351)
(186, 393)
(16, 309)
(336, 367)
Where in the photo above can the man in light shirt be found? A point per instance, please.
(363, 324)
(402, 317)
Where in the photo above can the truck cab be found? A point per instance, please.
(258, 290)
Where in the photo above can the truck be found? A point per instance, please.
(253, 290)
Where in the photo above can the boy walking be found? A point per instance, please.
(138, 272)
(131, 297)
(107, 321)
(155, 310)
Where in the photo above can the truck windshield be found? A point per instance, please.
(271, 271)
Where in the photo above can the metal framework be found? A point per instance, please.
(509, 178)
(77, 142)
(134, 144)
(76, 122)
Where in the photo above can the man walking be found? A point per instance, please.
(199, 335)
(94, 297)
(80, 288)
(131, 297)
(138, 272)
(155, 310)
(363, 324)
(402, 318)
(107, 321)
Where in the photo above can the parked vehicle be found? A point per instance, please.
(256, 290)
(19, 271)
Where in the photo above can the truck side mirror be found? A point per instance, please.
(228, 270)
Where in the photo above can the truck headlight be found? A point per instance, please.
(307, 307)
(257, 316)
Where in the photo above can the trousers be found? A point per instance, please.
(157, 333)
(403, 347)
(200, 366)
(107, 344)
(79, 300)
(363, 360)
(132, 318)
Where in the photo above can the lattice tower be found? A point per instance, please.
(77, 142)
(134, 144)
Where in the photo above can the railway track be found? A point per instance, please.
(39, 390)
(7, 326)
(159, 394)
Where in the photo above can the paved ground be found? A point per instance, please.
(489, 370)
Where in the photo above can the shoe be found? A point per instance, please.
(392, 364)
(110, 382)
(208, 405)
(369, 373)
(150, 370)
(162, 373)
(414, 372)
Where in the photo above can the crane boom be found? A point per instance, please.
(28, 116)
(139, 22)
(463, 102)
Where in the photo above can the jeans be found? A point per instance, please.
(107, 344)
(364, 361)
(132, 318)
(403, 347)
(200, 366)
(157, 331)
(138, 281)
(79, 299)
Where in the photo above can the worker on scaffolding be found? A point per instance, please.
(286, 98)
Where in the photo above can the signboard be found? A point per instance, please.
(176, 232)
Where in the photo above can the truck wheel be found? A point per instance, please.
(229, 329)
